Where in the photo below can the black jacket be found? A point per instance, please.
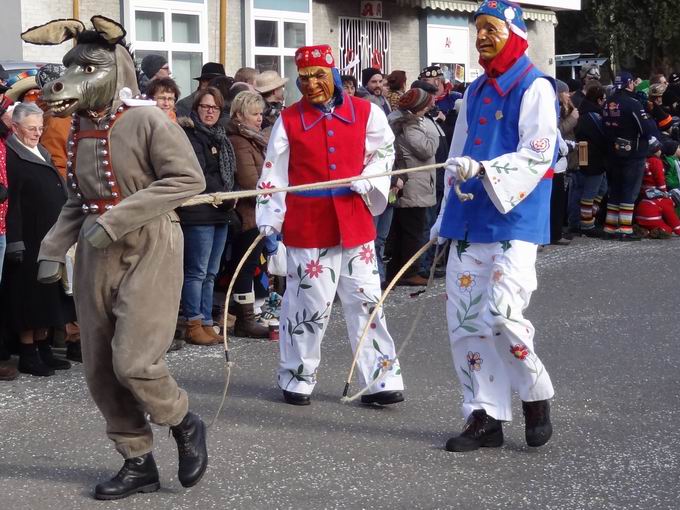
(589, 129)
(625, 118)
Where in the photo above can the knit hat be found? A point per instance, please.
(654, 145)
(369, 73)
(152, 63)
(561, 87)
(661, 117)
(427, 87)
(415, 100)
(510, 12)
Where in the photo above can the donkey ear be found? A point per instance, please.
(111, 31)
(54, 32)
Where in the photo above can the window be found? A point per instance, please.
(176, 29)
(274, 30)
(364, 43)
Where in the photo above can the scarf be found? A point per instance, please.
(254, 136)
(511, 52)
(226, 157)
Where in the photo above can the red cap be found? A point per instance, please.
(317, 56)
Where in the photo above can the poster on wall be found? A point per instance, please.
(448, 46)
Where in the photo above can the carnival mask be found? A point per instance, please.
(316, 84)
(492, 35)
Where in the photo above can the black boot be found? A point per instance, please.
(45, 353)
(73, 351)
(481, 430)
(383, 398)
(193, 453)
(138, 474)
(537, 428)
(30, 362)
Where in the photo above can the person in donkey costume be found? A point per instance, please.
(329, 234)
(502, 152)
(128, 168)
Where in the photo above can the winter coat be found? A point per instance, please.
(36, 195)
(567, 124)
(393, 97)
(416, 142)
(207, 154)
(589, 129)
(249, 148)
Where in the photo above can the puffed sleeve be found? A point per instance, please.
(271, 209)
(379, 158)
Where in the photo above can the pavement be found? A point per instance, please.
(606, 320)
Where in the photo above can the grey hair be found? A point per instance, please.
(23, 110)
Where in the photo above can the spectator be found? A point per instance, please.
(272, 87)
(396, 86)
(588, 73)
(349, 84)
(671, 98)
(245, 75)
(245, 133)
(371, 80)
(204, 226)
(415, 145)
(153, 67)
(224, 85)
(32, 179)
(234, 91)
(166, 93)
(588, 184)
(7, 372)
(568, 161)
(209, 71)
(446, 97)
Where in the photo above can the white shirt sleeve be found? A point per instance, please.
(271, 209)
(379, 158)
(510, 178)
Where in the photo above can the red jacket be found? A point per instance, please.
(324, 147)
(654, 175)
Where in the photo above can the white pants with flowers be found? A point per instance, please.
(313, 277)
(488, 288)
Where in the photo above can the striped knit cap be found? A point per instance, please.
(415, 100)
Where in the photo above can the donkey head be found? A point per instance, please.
(89, 82)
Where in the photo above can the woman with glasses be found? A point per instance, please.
(205, 226)
(36, 195)
(166, 93)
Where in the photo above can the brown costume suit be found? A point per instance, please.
(127, 295)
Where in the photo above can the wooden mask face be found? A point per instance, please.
(316, 84)
(492, 35)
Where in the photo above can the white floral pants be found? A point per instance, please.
(488, 288)
(313, 277)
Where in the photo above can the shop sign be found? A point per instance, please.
(371, 9)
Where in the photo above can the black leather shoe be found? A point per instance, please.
(297, 399)
(193, 452)
(538, 428)
(47, 357)
(481, 430)
(138, 474)
(383, 398)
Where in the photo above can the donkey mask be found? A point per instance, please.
(96, 68)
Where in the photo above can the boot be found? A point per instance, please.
(537, 426)
(8, 372)
(481, 430)
(246, 325)
(196, 335)
(138, 474)
(45, 353)
(31, 363)
(193, 453)
(210, 330)
(73, 351)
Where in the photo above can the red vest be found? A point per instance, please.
(325, 147)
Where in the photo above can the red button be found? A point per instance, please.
(478, 141)
(487, 100)
(483, 121)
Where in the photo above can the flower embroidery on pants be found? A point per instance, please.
(314, 269)
(466, 281)
(474, 361)
(367, 255)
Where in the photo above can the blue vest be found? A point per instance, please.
(493, 130)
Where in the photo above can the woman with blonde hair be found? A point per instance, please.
(244, 129)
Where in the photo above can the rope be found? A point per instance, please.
(439, 251)
(217, 198)
(228, 364)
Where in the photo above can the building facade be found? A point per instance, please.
(387, 34)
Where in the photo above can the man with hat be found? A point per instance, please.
(446, 98)
(588, 74)
(371, 81)
(329, 234)
(209, 71)
(271, 86)
(503, 152)
(628, 128)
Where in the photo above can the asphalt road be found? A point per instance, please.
(607, 322)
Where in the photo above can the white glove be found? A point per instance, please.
(463, 168)
(362, 187)
(434, 231)
(267, 230)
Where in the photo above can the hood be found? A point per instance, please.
(400, 119)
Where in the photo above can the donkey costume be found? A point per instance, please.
(128, 168)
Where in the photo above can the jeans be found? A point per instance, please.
(583, 187)
(203, 248)
(408, 229)
(3, 245)
(382, 228)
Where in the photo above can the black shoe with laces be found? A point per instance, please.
(193, 452)
(481, 430)
(538, 428)
(138, 474)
